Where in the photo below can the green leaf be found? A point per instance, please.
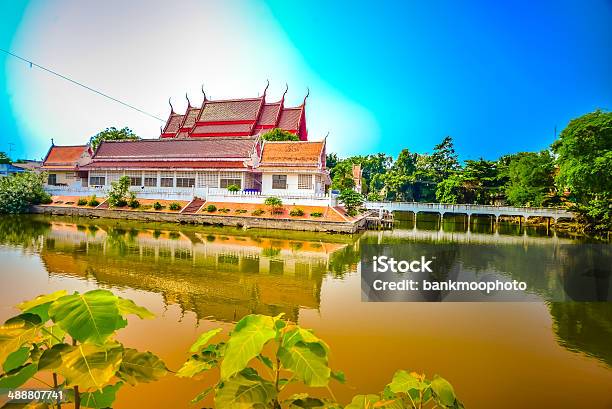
(195, 365)
(129, 307)
(302, 400)
(51, 359)
(246, 342)
(16, 359)
(202, 395)
(308, 361)
(103, 398)
(90, 317)
(90, 366)
(203, 339)
(18, 376)
(338, 376)
(141, 367)
(403, 381)
(443, 390)
(298, 334)
(16, 332)
(40, 300)
(266, 361)
(363, 402)
(244, 390)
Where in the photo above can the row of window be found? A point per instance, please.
(280, 181)
(168, 179)
(187, 179)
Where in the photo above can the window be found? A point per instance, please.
(97, 180)
(230, 178)
(167, 179)
(304, 181)
(185, 179)
(52, 179)
(135, 178)
(210, 179)
(279, 181)
(150, 179)
(114, 176)
(185, 182)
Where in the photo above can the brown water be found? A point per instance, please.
(497, 355)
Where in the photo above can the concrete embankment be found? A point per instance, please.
(236, 221)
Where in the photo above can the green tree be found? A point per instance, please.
(351, 200)
(584, 157)
(21, 190)
(331, 160)
(112, 134)
(343, 176)
(275, 204)
(481, 181)
(278, 135)
(452, 190)
(118, 194)
(530, 178)
(4, 158)
(443, 161)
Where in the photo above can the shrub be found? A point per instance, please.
(78, 345)
(211, 208)
(257, 212)
(296, 212)
(19, 191)
(174, 206)
(351, 200)
(240, 211)
(82, 202)
(93, 201)
(316, 214)
(224, 210)
(233, 188)
(275, 204)
(294, 354)
(157, 206)
(132, 202)
(118, 192)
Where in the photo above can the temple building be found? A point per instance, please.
(63, 165)
(236, 117)
(207, 149)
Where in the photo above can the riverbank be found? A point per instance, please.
(245, 222)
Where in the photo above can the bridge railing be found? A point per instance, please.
(470, 208)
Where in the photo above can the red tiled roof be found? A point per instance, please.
(292, 153)
(190, 117)
(64, 156)
(160, 164)
(222, 128)
(231, 110)
(290, 118)
(269, 114)
(165, 149)
(174, 123)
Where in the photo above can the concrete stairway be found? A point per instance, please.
(194, 206)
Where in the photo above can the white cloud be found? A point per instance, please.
(145, 52)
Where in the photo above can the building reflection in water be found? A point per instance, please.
(216, 276)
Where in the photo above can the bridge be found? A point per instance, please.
(554, 213)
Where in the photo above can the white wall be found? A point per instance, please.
(292, 185)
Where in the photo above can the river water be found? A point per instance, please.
(504, 355)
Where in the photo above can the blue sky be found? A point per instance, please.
(497, 77)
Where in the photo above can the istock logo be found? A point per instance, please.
(383, 264)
